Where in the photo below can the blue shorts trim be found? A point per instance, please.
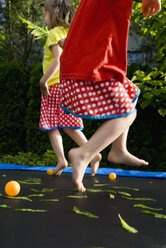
(73, 128)
(67, 111)
(47, 128)
(60, 128)
(136, 96)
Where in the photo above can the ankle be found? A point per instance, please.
(62, 160)
(81, 153)
(118, 150)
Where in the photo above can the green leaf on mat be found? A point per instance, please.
(139, 199)
(117, 187)
(77, 196)
(95, 190)
(36, 195)
(143, 206)
(157, 215)
(15, 197)
(23, 182)
(50, 200)
(30, 210)
(31, 181)
(101, 184)
(112, 196)
(90, 215)
(126, 226)
(4, 206)
(44, 190)
(4, 176)
(101, 190)
(124, 193)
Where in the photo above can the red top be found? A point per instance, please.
(96, 46)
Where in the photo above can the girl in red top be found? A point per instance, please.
(93, 79)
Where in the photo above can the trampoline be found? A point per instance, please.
(60, 226)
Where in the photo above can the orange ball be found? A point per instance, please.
(112, 176)
(12, 188)
(50, 172)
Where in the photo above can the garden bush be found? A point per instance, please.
(35, 140)
(13, 103)
(30, 159)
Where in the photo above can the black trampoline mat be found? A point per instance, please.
(61, 227)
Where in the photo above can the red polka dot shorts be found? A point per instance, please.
(98, 100)
(52, 116)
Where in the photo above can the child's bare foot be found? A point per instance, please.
(60, 166)
(95, 164)
(79, 165)
(124, 157)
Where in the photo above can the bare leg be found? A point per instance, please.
(109, 131)
(57, 145)
(76, 135)
(119, 153)
(80, 139)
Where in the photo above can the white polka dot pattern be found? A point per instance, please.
(106, 99)
(52, 116)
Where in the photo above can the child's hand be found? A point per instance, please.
(44, 88)
(150, 7)
(61, 43)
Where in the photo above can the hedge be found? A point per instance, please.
(19, 120)
(13, 105)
